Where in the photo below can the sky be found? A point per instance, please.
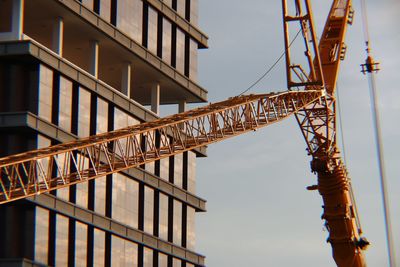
(258, 210)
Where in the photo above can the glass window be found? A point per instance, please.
(147, 257)
(180, 51)
(88, 3)
(178, 169)
(176, 263)
(105, 9)
(166, 41)
(43, 142)
(189, 265)
(191, 172)
(129, 18)
(152, 30)
(62, 193)
(61, 240)
(164, 163)
(193, 61)
(191, 231)
(194, 12)
(162, 260)
(45, 92)
(148, 210)
(181, 7)
(82, 189)
(41, 235)
(84, 113)
(163, 217)
(65, 105)
(168, 2)
(125, 200)
(150, 166)
(102, 116)
(177, 220)
(5, 15)
(99, 248)
(123, 253)
(80, 244)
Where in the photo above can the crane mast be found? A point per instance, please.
(318, 122)
(311, 98)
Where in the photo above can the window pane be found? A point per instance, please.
(191, 231)
(181, 7)
(166, 41)
(45, 92)
(164, 163)
(191, 172)
(80, 244)
(193, 60)
(123, 253)
(178, 169)
(125, 200)
(99, 248)
(84, 113)
(148, 257)
(61, 240)
(65, 105)
(129, 18)
(194, 12)
(102, 116)
(177, 227)
(180, 51)
(177, 263)
(41, 235)
(105, 9)
(148, 209)
(152, 30)
(163, 217)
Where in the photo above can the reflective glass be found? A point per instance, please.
(163, 217)
(152, 30)
(191, 231)
(176, 263)
(180, 51)
(178, 170)
(88, 3)
(82, 189)
(99, 248)
(147, 257)
(189, 265)
(177, 220)
(65, 105)
(84, 113)
(105, 9)
(148, 209)
(164, 163)
(41, 235)
(168, 2)
(129, 18)
(181, 7)
(166, 41)
(102, 116)
(80, 244)
(45, 92)
(193, 61)
(162, 260)
(61, 240)
(123, 253)
(125, 200)
(194, 12)
(191, 172)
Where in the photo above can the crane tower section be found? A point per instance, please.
(318, 121)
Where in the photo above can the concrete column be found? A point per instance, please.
(126, 79)
(155, 98)
(182, 106)
(94, 58)
(58, 36)
(17, 19)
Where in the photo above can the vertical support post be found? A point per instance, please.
(17, 19)
(126, 79)
(155, 98)
(58, 36)
(182, 106)
(94, 58)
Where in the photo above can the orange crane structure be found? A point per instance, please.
(311, 99)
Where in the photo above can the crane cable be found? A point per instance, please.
(270, 68)
(369, 68)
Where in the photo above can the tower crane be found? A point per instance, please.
(310, 98)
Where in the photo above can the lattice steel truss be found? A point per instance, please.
(66, 164)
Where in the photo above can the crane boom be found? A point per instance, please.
(51, 168)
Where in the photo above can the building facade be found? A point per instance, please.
(71, 69)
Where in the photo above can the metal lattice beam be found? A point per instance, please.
(51, 168)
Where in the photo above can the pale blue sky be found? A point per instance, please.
(259, 213)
